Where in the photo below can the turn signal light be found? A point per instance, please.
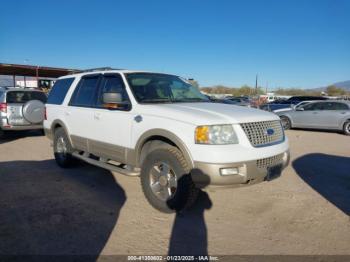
(202, 135)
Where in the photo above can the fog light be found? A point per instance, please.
(229, 171)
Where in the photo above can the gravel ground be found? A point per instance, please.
(87, 210)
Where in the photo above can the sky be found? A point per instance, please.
(288, 43)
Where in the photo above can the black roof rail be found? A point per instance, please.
(98, 69)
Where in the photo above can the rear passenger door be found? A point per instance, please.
(332, 114)
(80, 111)
(111, 129)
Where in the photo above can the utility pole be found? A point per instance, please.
(256, 84)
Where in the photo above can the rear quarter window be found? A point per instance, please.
(25, 96)
(59, 91)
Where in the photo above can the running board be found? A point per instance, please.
(105, 165)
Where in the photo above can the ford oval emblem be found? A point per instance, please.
(270, 131)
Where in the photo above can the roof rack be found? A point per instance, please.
(98, 69)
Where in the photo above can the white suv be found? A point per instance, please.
(162, 128)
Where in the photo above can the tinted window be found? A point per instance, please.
(85, 92)
(313, 106)
(336, 106)
(59, 91)
(25, 96)
(113, 84)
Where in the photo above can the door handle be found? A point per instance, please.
(315, 112)
(343, 113)
(67, 113)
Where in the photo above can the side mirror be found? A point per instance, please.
(112, 98)
(299, 109)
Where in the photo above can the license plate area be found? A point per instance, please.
(273, 172)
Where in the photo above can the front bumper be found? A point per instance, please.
(249, 172)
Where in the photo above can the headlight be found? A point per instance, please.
(215, 135)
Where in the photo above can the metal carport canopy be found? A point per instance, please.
(34, 71)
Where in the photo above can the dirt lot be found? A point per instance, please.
(87, 210)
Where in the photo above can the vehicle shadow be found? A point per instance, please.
(329, 175)
(14, 135)
(189, 233)
(46, 210)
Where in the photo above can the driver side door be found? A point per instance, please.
(306, 117)
(112, 124)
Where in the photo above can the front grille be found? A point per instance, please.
(269, 161)
(258, 132)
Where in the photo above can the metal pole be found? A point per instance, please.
(37, 76)
(25, 82)
(256, 84)
(14, 80)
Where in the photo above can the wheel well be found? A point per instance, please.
(57, 125)
(152, 143)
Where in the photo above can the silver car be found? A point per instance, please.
(21, 109)
(330, 115)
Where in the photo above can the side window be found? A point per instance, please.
(59, 91)
(311, 106)
(339, 106)
(85, 93)
(113, 83)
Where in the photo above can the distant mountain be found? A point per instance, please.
(345, 85)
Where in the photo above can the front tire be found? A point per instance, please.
(166, 180)
(286, 123)
(346, 128)
(63, 149)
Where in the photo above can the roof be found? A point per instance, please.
(31, 70)
(330, 101)
(124, 71)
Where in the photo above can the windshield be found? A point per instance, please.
(162, 88)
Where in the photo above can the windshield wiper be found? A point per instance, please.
(191, 99)
(157, 100)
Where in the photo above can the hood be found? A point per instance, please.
(207, 113)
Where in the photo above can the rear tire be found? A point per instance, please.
(2, 134)
(346, 128)
(286, 123)
(63, 149)
(166, 180)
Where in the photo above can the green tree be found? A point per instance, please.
(335, 91)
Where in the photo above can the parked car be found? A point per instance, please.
(292, 107)
(21, 109)
(164, 130)
(330, 115)
(240, 101)
(224, 101)
(281, 104)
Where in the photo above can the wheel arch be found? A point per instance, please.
(57, 124)
(158, 137)
(346, 119)
(287, 116)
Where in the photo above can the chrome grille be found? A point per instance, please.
(269, 161)
(257, 132)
